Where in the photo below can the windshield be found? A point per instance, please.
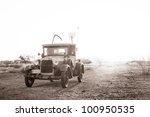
(55, 51)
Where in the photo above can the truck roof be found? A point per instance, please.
(58, 45)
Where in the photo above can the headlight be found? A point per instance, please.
(37, 62)
(28, 67)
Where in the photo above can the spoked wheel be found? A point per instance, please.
(80, 76)
(28, 80)
(64, 79)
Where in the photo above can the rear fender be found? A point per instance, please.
(79, 68)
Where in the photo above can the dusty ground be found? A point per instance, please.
(105, 81)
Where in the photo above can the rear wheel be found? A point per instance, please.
(80, 76)
(64, 79)
(80, 73)
(28, 80)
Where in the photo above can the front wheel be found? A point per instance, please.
(28, 80)
(64, 79)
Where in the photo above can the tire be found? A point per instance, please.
(80, 73)
(64, 79)
(82, 68)
(80, 76)
(29, 81)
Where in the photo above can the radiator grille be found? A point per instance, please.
(46, 66)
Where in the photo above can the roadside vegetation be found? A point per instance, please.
(15, 66)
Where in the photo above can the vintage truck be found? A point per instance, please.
(58, 62)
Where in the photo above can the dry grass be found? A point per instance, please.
(117, 81)
(10, 67)
(143, 66)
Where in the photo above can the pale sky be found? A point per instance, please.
(107, 29)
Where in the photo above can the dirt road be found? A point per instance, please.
(106, 81)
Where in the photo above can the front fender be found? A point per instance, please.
(28, 68)
(63, 67)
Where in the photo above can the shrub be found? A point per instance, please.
(15, 65)
(144, 66)
(86, 61)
